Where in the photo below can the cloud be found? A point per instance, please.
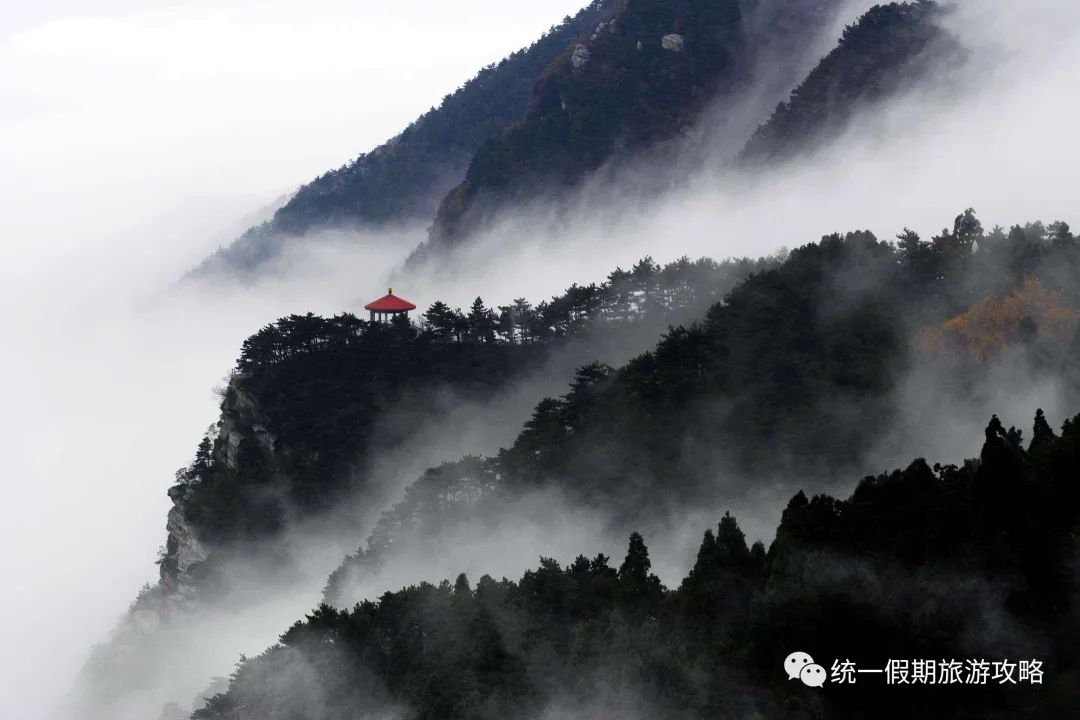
(120, 160)
(130, 135)
(997, 137)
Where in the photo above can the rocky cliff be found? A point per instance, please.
(242, 423)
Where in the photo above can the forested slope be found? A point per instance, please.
(790, 375)
(618, 80)
(972, 562)
(314, 402)
(646, 76)
(891, 48)
(792, 378)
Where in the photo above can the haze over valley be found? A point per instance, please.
(671, 259)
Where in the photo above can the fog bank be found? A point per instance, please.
(111, 196)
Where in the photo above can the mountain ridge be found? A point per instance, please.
(403, 179)
(767, 365)
(619, 79)
(891, 48)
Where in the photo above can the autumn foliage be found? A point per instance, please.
(993, 325)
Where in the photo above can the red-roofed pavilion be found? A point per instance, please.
(389, 305)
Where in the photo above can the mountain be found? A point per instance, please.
(811, 356)
(402, 180)
(642, 78)
(776, 374)
(621, 80)
(808, 353)
(313, 403)
(323, 423)
(645, 77)
(955, 585)
(891, 48)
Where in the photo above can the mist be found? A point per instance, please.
(125, 159)
(983, 139)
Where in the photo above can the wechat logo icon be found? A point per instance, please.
(801, 666)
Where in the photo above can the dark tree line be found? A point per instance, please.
(807, 354)
(319, 386)
(805, 357)
(943, 274)
(646, 290)
(771, 362)
(901, 568)
(910, 566)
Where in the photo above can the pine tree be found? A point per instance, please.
(640, 592)
(731, 547)
(635, 568)
(705, 566)
(1043, 440)
(523, 319)
(481, 322)
(439, 319)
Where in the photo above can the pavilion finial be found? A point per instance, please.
(389, 291)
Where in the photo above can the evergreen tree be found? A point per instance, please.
(506, 324)
(910, 245)
(645, 276)
(1061, 235)
(617, 295)
(731, 547)
(1043, 441)
(640, 592)
(524, 319)
(967, 230)
(481, 322)
(439, 319)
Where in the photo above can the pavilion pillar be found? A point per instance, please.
(386, 309)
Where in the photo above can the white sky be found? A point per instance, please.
(158, 107)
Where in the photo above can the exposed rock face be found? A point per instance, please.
(130, 662)
(580, 57)
(241, 419)
(673, 42)
(183, 549)
(608, 25)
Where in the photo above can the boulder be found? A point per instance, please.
(580, 57)
(673, 42)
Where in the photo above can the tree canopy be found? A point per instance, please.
(909, 566)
